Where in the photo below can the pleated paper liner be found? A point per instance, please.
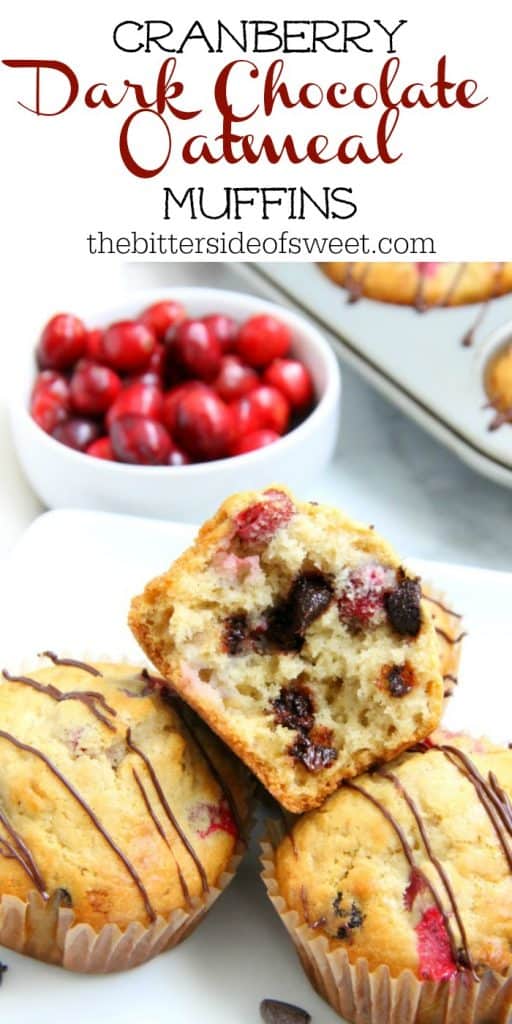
(47, 930)
(363, 996)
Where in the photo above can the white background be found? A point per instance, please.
(63, 176)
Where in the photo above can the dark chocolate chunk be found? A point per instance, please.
(313, 755)
(4, 968)
(310, 595)
(62, 898)
(294, 708)
(400, 680)
(236, 632)
(274, 1012)
(403, 606)
(353, 917)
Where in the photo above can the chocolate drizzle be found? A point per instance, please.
(439, 604)
(414, 809)
(168, 811)
(90, 698)
(469, 337)
(409, 855)
(90, 814)
(72, 663)
(452, 640)
(16, 849)
(158, 825)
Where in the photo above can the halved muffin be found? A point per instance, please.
(300, 638)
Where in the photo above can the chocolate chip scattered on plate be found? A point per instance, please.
(274, 1012)
(3, 969)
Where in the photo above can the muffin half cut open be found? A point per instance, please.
(300, 638)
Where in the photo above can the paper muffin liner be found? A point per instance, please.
(48, 931)
(364, 996)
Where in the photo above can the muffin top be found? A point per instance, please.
(113, 800)
(411, 865)
(423, 285)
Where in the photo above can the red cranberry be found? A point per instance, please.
(62, 342)
(93, 344)
(52, 383)
(194, 351)
(101, 449)
(246, 417)
(273, 408)
(77, 433)
(291, 378)
(234, 379)
(148, 377)
(127, 346)
(204, 425)
(137, 439)
(177, 457)
(93, 388)
(263, 338)
(49, 403)
(251, 442)
(138, 399)
(172, 398)
(162, 316)
(223, 328)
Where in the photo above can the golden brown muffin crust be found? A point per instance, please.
(107, 802)
(423, 284)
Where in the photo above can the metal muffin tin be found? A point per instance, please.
(416, 359)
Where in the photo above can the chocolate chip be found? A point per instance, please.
(287, 622)
(294, 709)
(354, 917)
(403, 607)
(274, 1012)
(236, 631)
(313, 755)
(4, 968)
(400, 680)
(62, 898)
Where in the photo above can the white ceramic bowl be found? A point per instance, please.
(63, 477)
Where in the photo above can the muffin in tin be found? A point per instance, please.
(121, 817)
(423, 285)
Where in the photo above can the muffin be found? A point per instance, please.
(450, 634)
(398, 891)
(300, 639)
(423, 285)
(498, 385)
(120, 819)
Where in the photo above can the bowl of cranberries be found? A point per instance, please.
(166, 402)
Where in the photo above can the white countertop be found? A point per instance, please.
(387, 471)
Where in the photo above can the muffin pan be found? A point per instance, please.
(417, 360)
(212, 977)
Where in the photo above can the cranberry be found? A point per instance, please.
(234, 379)
(361, 601)
(162, 316)
(127, 346)
(93, 344)
(52, 383)
(223, 328)
(49, 403)
(101, 449)
(77, 433)
(193, 351)
(93, 388)
(259, 522)
(291, 378)
(434, 951)
(247, 419)
(204, 425)
(251, 442)
(148, 377)
(62, 342)
(138, 399)
(140, 440)
(172, 398)
(263, 338)
(272, 407)
(177, 457)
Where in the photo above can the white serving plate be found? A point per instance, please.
(416, 360)
(67, 585)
